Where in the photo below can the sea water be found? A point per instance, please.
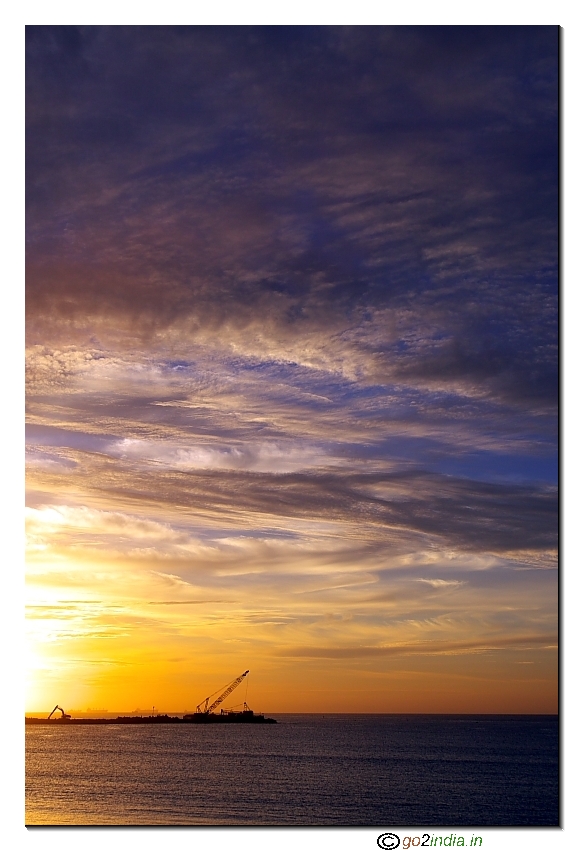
(308, 770)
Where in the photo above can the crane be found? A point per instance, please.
(63, 715)
(229, 689)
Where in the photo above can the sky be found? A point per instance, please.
(292, 367)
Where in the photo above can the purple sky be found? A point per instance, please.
(292, 335)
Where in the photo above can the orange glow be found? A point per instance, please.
(102, 634)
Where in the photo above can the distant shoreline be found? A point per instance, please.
(153, 719)
(259, 718)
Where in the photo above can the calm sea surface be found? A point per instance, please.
(308, 770)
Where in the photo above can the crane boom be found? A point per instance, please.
(63, 715)
(230, 688)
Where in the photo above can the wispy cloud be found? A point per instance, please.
(292, 342)
(433, 647)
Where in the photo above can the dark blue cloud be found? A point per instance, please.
(309, 174)
(383, 198)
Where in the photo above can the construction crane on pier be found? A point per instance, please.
(205, 708)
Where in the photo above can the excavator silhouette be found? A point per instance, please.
(63, 715)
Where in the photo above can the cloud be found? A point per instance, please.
(262, 457)
(276, 224)
(438, 583)
(522, 642)
(292, 341)
(470, 515)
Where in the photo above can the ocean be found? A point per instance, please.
(306, 770)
